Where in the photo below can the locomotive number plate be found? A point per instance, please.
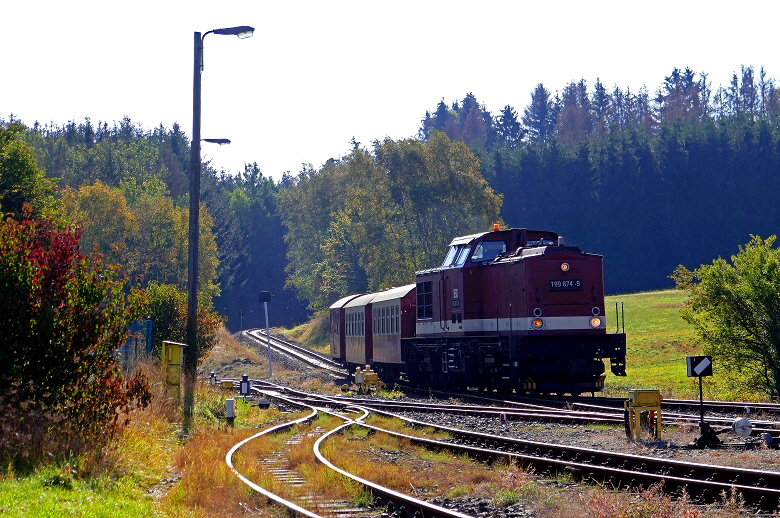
(566, 284)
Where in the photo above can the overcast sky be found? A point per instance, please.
(317, 73)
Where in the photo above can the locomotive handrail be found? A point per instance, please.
(443, 322)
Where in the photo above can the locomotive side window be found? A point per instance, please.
(488, 250)
(424, 300)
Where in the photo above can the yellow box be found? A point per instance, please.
(645, 397)
(172, 358)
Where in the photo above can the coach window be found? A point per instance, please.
(488, 250)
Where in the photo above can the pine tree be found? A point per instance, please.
(540, 117)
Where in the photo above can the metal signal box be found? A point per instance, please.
(645, 397)
(641, 401)
(172, 359)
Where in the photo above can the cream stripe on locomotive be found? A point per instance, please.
(502, 324)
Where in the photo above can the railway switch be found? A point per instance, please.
(366, 380)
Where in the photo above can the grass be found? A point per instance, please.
(149, 470)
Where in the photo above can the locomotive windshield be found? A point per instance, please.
(456, 256)
(488, 250)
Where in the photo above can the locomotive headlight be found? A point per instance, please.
(595, 322)
(537, 323)
(564, 267)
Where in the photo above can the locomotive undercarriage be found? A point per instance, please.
(536, 365)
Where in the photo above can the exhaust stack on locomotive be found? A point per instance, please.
(508, 309)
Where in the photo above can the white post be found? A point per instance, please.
(268, 335)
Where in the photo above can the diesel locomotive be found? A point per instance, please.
(510, 310)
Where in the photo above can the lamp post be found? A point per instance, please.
(191, 355)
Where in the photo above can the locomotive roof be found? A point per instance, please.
(393, 293)
(462, 240)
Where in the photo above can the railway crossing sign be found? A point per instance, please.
(699, 366)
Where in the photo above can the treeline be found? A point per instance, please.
(129, 188)
(648, 180)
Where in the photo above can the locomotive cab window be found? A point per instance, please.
(456, 256)
(488, 250)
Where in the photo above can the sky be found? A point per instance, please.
(316, 74)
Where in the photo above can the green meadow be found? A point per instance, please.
(658, 341)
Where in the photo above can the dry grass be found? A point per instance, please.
(230, 358)
(208, 486)
(313, 333)
(415, 470)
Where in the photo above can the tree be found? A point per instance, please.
(368, 221)
(541, 115)
(21, 181)
(138, 226)
(508, 128)
(735, 310)
(166, 305)
(575, 121)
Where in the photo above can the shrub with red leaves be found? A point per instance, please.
(62, 314)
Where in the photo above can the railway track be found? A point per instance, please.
(384, 499)
(704, 482)
(297, 352)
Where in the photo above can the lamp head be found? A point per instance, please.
(220, 141)
(242, 31)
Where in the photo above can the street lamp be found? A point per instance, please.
(191, 355)
(219, 141)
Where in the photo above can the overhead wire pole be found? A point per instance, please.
(191, 351)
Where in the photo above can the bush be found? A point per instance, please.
(62, 315)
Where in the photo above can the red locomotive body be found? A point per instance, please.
(507, 310)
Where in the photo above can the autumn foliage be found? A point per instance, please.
(62, 314)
